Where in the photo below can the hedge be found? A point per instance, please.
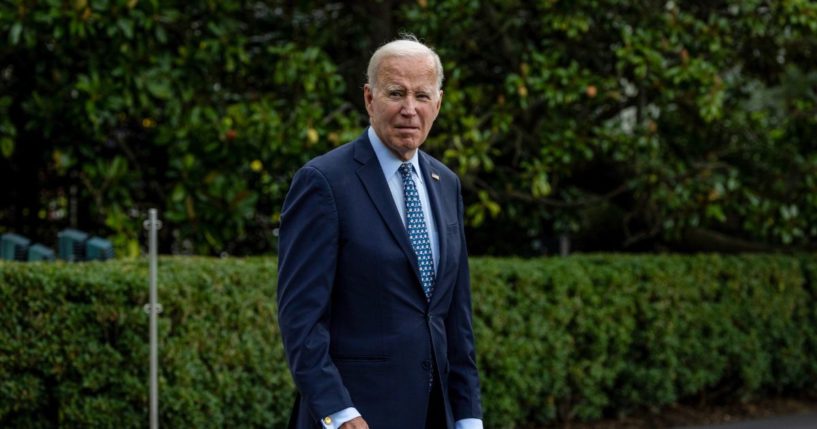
(559, 339)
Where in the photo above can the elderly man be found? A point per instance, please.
(374, 300)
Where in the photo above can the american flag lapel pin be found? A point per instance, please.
(435, 176)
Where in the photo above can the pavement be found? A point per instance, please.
(794, 421)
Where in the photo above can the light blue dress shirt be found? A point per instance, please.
(390, 164)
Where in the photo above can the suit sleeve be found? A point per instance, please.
(306, 270)
(463, 378)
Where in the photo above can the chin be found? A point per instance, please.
(410, 144)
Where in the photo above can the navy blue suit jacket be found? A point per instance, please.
(357, 329)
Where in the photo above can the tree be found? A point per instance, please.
(201, 109)
(631, 126)
(625, 125)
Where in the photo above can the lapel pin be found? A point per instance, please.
(435, 176)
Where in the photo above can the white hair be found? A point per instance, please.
(406, 46)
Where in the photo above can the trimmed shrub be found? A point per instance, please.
(572, 338)
(587, 336)
(74, 345)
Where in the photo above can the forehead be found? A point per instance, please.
(410, 71)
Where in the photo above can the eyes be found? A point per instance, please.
(397, 94)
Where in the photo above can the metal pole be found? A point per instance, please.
(153, 308)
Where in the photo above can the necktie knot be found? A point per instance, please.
(405, 170)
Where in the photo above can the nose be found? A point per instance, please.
(409, 107)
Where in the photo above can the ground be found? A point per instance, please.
(688, 415)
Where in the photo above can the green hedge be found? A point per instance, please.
(74, 353)
(558, 339)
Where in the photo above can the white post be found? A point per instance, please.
(153, 308)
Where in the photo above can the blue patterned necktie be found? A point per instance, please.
(417, 231)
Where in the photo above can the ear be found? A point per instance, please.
(438, 104)
(440, 100)
(368, 96)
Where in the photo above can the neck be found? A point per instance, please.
(405, 155)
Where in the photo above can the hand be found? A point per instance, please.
(355, 423)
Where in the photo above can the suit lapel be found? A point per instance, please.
(434, 190)
(371, 175)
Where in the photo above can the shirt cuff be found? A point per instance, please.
(336, 420)
(468, 424)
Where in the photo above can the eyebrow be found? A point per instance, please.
(397, 87)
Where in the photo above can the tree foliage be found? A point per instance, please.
(627, 125)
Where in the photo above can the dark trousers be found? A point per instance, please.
(435, 416)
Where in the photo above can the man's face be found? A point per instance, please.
(405, 102)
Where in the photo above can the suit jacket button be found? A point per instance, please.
(327, 420)
(426, 365)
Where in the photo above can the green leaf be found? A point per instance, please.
(178, 194)
(126, 25)
(6, 147)
(159, 88)
(14, 34)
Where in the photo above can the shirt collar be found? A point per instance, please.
(389, 162)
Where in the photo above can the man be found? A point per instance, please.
(374, 298)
